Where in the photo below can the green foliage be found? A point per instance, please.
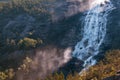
(104, 69)
(3, 76)
(7, 74)
(28, 43)
(26, 65)
(37, 9)
(55, 77)
(34, 7)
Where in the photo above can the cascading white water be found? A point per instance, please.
(94, 32)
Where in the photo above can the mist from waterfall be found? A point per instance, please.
(94, 32)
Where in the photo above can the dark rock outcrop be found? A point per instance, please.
(113, 27)
(72, 66)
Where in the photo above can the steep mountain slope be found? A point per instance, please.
(57, 23)
(114, 26)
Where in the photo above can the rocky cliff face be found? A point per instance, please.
(113, 27)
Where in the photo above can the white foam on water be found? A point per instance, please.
(94, 32)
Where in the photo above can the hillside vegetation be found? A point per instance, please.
(23, 19)
(26, 25)
(23, 26)
(106, 69)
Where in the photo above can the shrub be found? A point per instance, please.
(3, 76)
(7, 74)
(27, 43)
(105, 68)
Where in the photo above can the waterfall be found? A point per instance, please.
(94, 32)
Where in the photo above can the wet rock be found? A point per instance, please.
(74, 65)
